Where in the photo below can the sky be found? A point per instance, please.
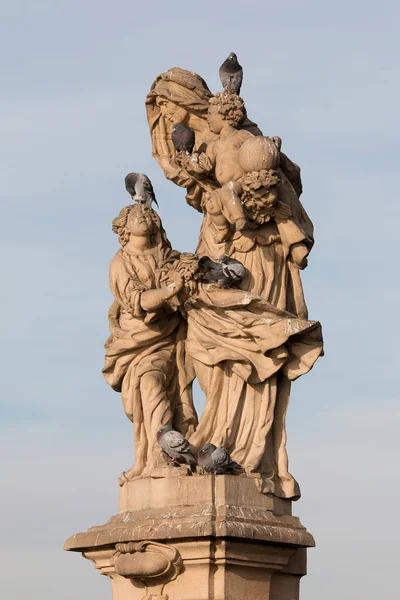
(324, 76)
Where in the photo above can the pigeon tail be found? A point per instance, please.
(234, 466)
(190, 459)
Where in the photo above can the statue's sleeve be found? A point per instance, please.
(292, 172)
(125, 288)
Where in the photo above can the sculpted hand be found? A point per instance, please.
(205, 163)
(182, 159)
(196, 164)
(298, 254)
(174, 281)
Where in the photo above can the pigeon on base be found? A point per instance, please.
(216, 460)
(175, 446)
(138, 185)
(231, 74)
(183, 138)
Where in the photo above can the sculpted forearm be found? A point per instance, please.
(153, 299)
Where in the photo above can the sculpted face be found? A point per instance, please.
(215, 120)
(139, 223)
(171, 111)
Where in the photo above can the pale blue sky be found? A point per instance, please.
(325, 77)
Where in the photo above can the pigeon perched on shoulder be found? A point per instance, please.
(231, 74)
(183, 138)
(175, 446)
(138, 185)
(226, 272)
(216, 460)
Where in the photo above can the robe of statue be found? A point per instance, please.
(245, 353)
(245, 413)
(143, 341)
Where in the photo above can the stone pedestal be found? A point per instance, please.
(200, 537)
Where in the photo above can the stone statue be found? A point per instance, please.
(180, 96)
(208, 500)
(248, 190)
(243, 350)
(144, 350)
(244, 343)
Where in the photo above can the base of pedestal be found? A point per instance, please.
(198, 538)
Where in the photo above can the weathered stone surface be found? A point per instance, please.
(234, 316)
(198, 506)
(209, 537)
(213, 569)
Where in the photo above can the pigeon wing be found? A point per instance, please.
(149, 189)
(191, 139)
(177, 442)
(220, 457)
(236, 81)
(176, 140)
(209, 466)
(148, 185)
(130, 183)
(225, 78)
(163, 442)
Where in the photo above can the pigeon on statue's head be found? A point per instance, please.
(216, 460)
(183, 138)
(175, 446)
(231, 74)
(138, 185)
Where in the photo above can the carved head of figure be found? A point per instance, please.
(176, 97)
(138, 220)
(226, 108)
(172, 111)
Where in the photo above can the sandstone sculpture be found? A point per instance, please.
(232, 315)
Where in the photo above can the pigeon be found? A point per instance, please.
(138, 185)
(183, 138)
(175, 446)
(216, 460)
(231, 74)
(225, 273)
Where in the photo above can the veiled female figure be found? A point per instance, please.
(144, 351)
(245, 406)
(180, 96)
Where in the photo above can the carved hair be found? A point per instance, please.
(119, 224)
(230, 107)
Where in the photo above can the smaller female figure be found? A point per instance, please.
(144, 353)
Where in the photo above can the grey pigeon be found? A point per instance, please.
(183, 138)
(231, 74)
(175, 446)
(216, 460)
(226, 272)
(138, 185)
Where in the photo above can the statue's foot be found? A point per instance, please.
(122, 479)
(132, 473)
